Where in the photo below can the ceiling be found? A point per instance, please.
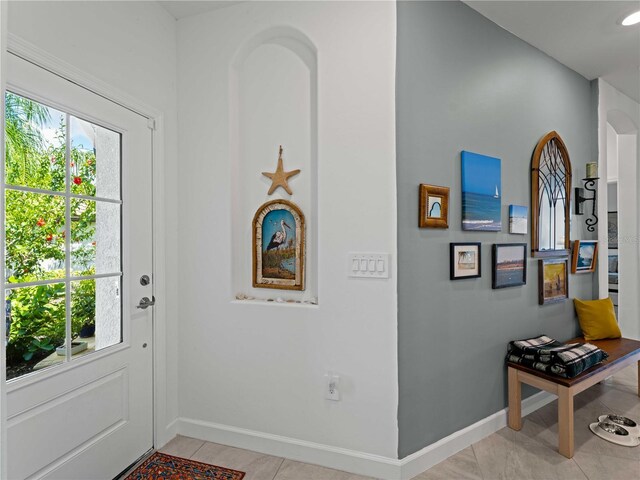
(586, 36)
(186, 8)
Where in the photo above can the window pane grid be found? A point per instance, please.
(92, 156)
(11, 286)
(19, 188)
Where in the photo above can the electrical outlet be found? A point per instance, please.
(331, 389)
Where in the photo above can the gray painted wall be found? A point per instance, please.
(463, 83)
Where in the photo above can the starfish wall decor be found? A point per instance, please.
(280, 178)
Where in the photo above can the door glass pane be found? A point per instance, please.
(95, 312)
(95, 237)
(35, 319)
(45, 147)
(95, 160)
(35, 144)
(34, 236)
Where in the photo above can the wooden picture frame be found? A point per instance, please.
(509, 265)
(279, 246)
(434, 206)
(550, 197)
(585, 256)
(465, 260)
(553, 280)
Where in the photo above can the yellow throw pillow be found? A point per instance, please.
(597, 319)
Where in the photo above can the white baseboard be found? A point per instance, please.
(169, 432)
(294, 449)
(351, 460)
(435, 453)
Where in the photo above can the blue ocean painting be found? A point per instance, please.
(518, 216)
(481, 192)
(585, 255)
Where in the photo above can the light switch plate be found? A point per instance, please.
(368, 265)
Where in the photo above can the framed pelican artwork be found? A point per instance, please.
(279, 246)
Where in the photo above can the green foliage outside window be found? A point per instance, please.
(35, 230)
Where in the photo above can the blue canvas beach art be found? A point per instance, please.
(518, 216)
(481, 192)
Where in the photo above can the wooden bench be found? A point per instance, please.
(622, 353)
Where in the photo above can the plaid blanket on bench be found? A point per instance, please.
(551, 356)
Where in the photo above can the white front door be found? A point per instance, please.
(78, 241)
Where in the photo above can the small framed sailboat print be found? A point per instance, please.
(481, 192)
(279, 246)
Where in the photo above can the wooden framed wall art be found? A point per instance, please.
(434, 206)
(279, 246)
(550, 198)
(585, 256)
(553, 280)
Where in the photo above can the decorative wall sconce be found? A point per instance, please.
(590, 186)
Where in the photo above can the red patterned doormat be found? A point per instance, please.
(161, 466)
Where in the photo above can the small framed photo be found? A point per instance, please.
(585, 255)
(612, 229)
(465, 260)
(509, 265)
(434, 206)
(518, 216)
(553, 280)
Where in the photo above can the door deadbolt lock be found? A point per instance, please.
(145, 280)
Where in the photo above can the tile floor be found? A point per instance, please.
(528, 454)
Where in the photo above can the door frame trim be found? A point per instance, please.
(163, 428)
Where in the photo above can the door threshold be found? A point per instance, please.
(122, 475)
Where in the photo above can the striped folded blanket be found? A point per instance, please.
(551, 356)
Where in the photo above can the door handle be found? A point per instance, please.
(146, 303)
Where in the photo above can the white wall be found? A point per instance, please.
(618, 120)
(132, 47)
(260, 366)
(612, 155)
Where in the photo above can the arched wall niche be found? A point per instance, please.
(273, 101)
(621, 122)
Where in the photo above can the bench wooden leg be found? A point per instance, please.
(565, 421)
(515, 400)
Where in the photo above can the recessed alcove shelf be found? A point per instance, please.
(273, 102)
(260, 302)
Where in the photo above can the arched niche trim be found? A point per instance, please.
(621, 122)
(287, 37)
(550, 198)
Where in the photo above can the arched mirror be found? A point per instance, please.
(550, 195)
